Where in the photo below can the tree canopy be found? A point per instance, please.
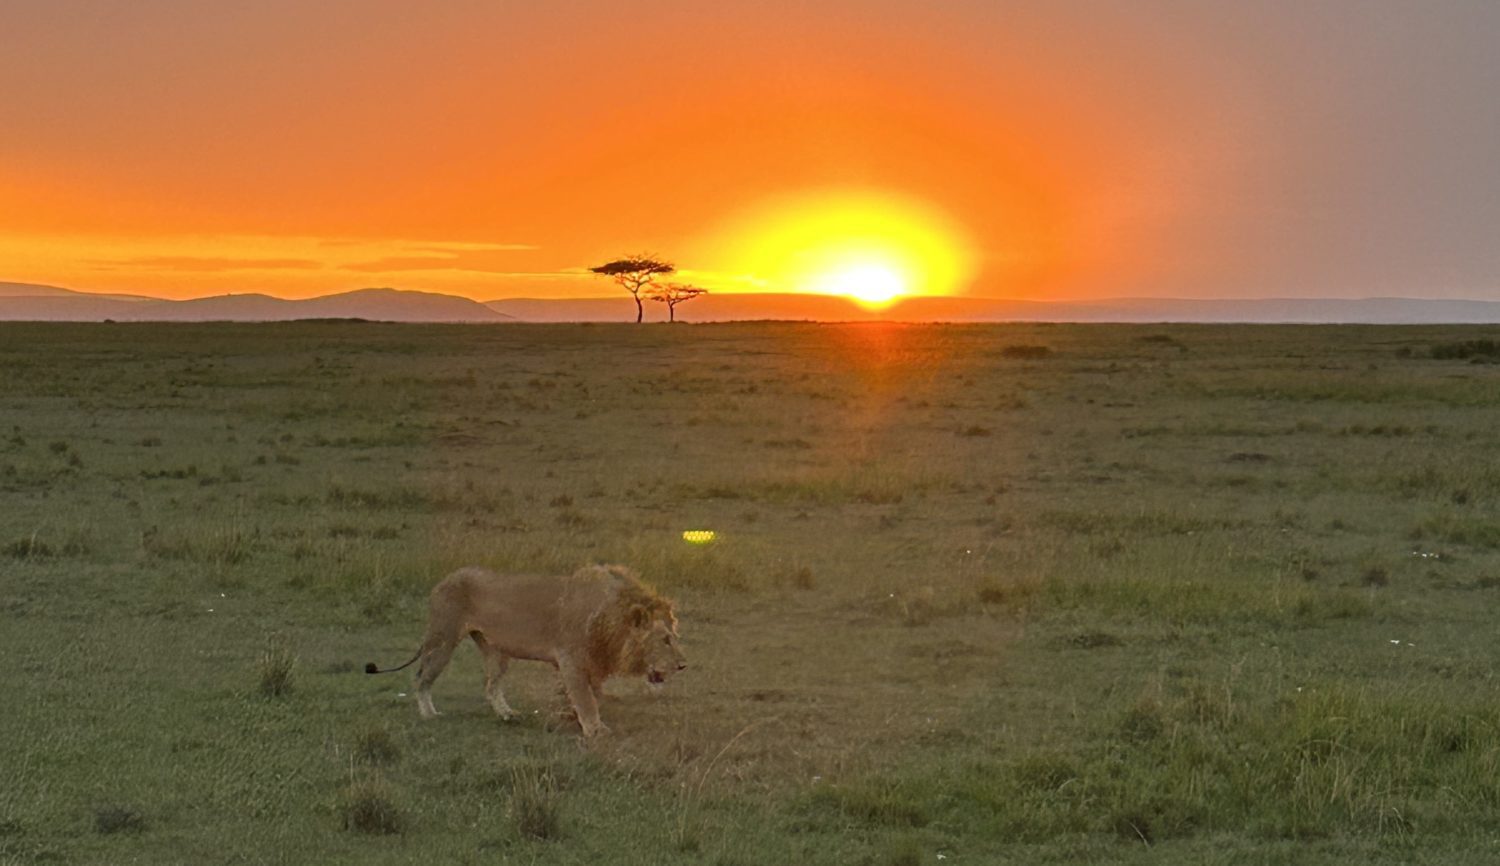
(635, 274)
(673, 294)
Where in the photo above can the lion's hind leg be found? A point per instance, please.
(436, 653)
(444, 631)
(495, 665)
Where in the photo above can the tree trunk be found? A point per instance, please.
(638, 311)
(671, 312)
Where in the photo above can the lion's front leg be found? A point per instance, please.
(580, 691)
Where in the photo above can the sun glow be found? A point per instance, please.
(870, 284)
(874, 248)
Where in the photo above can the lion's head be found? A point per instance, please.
(636, 633)
(656, 652)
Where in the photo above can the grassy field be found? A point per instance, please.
(979, 594)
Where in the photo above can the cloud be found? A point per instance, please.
(723, 280)
(206, 264)
(421, 246)
(458, 246)
(488, 259)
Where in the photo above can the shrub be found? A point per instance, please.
(118, 819)
(799, 576)
(1467, 349)
(1163, 340)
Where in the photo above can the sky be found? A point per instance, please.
(1074, 149)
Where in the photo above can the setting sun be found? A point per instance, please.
(871, 284)
(872, 247)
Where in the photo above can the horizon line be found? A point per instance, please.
(1070, 301)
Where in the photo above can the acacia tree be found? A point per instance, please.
(635, 274)
(673, 294)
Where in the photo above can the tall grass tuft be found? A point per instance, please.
(28, 547)
(535, 806)
(225, 545)
(275, 668)
(376, 747)
(687, 831)
(369, 806)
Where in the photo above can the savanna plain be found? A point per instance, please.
(976, 594)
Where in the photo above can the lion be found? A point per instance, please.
(599, 622)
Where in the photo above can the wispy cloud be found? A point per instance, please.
(498, 259)
(205, 264)
(414, 245)
(460, 246)
(723, 280)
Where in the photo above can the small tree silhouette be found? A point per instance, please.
(635, 274)
(673, 294)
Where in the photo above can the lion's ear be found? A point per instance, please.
(638, 617)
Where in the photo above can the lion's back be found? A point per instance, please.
(528, 613)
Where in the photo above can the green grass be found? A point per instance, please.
(1008, 594)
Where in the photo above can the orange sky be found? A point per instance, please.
(1076, 149)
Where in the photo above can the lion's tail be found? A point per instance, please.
(372, 668)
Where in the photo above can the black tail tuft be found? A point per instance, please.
(371, 668)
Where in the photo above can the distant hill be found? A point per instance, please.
(24, 301)
(823, 308)
(571, 310)
(32, 302)
(31, 290)
(1370, 311)
(385, 305)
